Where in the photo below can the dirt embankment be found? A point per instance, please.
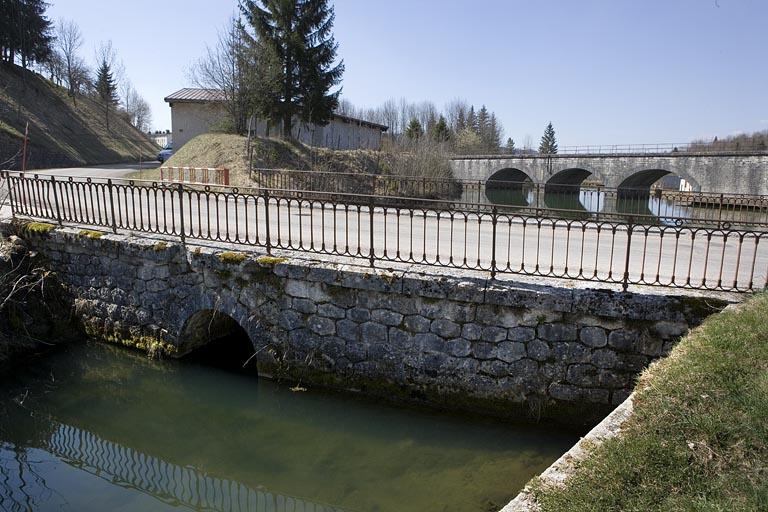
(331, 170)
(62, 131)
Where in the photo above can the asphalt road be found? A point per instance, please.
(544, 247)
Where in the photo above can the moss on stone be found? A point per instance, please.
(90, 233)
(37, 228)
(160, 246)
(270, 261)
(232, 257)
(154, 347)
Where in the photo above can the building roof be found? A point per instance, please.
(192, 95)
(361, 122)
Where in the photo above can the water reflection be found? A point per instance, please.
(645, 205)
(26, 471)
(97, 428)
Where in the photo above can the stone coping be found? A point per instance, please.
(558, 473)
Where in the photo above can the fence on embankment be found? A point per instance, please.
(432, 232)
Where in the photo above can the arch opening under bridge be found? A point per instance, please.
(653, 192)
(510, 187)
(216, 339)
(564, 191)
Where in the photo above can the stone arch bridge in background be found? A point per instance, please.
(720, 173)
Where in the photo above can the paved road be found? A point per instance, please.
(114, 171)
(544, 247)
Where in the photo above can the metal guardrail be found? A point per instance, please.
(668, 149)
(200, 175)
(433, 233)
(644, 204)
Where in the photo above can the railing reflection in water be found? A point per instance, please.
(128, 468)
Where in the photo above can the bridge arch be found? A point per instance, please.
(641, 181)
(509, 186)
(563, 191)
(215, 338)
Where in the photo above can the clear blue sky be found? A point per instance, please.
(603, 71)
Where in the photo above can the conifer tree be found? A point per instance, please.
(25, 31)
(483, 125)
(441, 132)
(493, 138)
(299, 35)
(510, 146)
(461, 120)
(106, 88)
(472, 120)
(548, 144)
(414, 131)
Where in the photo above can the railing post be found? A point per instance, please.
(720, 212)
(11, 196)
(112, 206)
(181, 214)
(372, 254)
(494, 222)
(266, 220)
(625, 279)
(56, 199)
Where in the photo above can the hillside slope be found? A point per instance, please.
(222, 150)
(60, 132)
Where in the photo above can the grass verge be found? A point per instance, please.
(698, 438)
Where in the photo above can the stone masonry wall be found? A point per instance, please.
(443, 336)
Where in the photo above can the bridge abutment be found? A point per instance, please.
(447, 337)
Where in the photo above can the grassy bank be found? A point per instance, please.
(698, 438)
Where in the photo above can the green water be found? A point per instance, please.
(96, 428)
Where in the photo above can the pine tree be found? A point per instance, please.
(483, 126)
(461, 120)
(472, 120)
(298, 32)
(441, 132)
(494, 134)
(106, 88)
(548, 144)
(414, 131)
(25, 30)
(510, 146)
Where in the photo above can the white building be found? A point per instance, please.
(196, 111)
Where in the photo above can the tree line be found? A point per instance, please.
(757, 141)
(30, 39)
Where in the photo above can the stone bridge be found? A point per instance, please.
(447, 337)
(720, 173)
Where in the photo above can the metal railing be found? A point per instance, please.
(724, 147)
(645, 205)
(432, 233)
(200, 175)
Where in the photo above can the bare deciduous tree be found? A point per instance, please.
(136, 107)
(221, 69)
(69, 41)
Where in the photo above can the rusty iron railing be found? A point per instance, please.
(425, 232)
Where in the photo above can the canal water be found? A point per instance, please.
(93, 427)
(588, 202)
